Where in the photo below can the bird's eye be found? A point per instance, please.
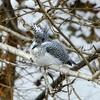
(42, 39)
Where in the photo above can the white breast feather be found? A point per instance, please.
(46, 60)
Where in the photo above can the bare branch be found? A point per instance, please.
(15, 51)
(46, 80)
(52, 22)
(15, 33)
(22, 21)
(96, 75)
(69, 72)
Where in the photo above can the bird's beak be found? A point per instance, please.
(35, 45)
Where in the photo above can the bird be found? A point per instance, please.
(45, 52)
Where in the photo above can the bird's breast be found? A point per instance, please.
(43, 58)
(47, 60)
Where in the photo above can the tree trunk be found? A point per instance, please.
(8, 76)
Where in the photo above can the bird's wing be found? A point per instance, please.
(57, 50)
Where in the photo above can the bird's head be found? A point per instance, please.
(40, 34)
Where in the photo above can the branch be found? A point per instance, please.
(52, 22)
(15, 33)
(46, 80)
(69, 72)
(60, 79)
(15, 51)
(22, 21)
(73, 73)
(96, 75)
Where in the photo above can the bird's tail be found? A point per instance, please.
(70, 62)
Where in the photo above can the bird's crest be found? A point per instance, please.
(40, 33)
(37, 29)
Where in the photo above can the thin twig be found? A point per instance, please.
(15, 33)
(46, 80)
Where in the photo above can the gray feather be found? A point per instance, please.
(58, 51)
(45, 44)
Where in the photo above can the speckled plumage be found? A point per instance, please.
(47, 52)
(57, 50)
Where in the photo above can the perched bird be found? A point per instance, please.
(45, 51)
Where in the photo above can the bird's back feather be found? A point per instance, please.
(57, 50)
